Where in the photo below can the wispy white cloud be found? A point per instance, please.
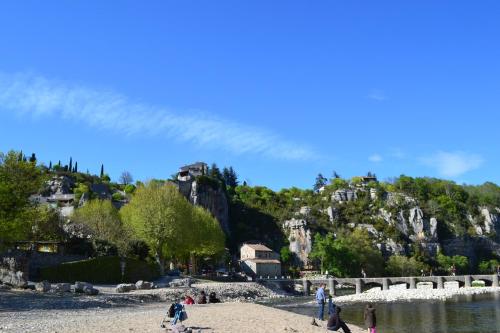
(377, 95)
(376, 158)
(34, 95)
(453, 164)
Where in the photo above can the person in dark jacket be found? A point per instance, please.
(202, 299)
(212, 298)
(335, 323)
(370, 318)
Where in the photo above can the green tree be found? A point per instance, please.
(18, 180)
(334, 255)
(79, 190)
(488, 266)
(319, 182)
(461, 263)
(230, 177)
(44, 223)
(398, 265)
(161, 216)
(103, 220)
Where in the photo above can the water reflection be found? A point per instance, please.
(462, 314)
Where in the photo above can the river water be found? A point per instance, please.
(461, 314)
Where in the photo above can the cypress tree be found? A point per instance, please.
(75, 170)
(50, 165)
(102, 170)
(71, 164)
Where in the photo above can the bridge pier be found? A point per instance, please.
(467, 281)
(331, 286)
(306, 286)
(385, 284)
(440, 284)
(413, 283)
(494, 280)
(359, 286)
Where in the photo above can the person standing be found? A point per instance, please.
(363, 273)
(331, 306)
(370, 318)
(321, 299)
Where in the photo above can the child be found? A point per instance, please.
(370, 318)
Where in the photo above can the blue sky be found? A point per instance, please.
(280, 90)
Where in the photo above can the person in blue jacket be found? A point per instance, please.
(321, 300)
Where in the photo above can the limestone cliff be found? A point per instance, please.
(213, 198)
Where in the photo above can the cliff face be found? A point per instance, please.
(209, 197)
(299, 237)
(396, 221)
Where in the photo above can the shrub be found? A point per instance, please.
(137, 249)
(100, 270)
(117, 196)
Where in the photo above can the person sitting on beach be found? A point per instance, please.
(212, 298)
(370, 318)
(331, 306)
(188, 300)
(335, 323)
(202, 299)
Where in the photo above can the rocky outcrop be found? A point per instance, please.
(14, 271)
(490, 220)
(59, 185)
(299, 237)
(390, 247)
(397, 199)
(417, 227)
(209, 197)
(332, 213)
(343, 195)
(487, 223)
(370, 228)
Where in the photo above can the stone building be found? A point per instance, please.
(259, 260)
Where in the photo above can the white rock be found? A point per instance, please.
(43, 286)
(125, 287)
(143, 285)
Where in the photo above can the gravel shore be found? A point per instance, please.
(222, 317)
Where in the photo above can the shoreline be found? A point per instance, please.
(209, 318)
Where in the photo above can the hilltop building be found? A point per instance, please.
(191, 171)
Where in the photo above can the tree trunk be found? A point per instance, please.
(161, 262)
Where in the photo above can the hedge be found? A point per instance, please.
(104, 270)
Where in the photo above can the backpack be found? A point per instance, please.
(171, 311)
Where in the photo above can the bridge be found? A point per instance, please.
(385, 282)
